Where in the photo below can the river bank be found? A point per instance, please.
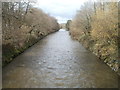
(57, 61)
(9, 52)
(23, 27)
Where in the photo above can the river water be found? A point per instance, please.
(60, 62)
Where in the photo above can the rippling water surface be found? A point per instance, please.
(58, 61)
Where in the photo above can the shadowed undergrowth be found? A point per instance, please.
(23, 25)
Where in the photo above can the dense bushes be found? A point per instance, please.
(96, 27)
(68, 25)
(22, 26)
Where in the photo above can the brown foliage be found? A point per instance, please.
(96, 26)
(22, 26)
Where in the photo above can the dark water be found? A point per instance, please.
(58, 61)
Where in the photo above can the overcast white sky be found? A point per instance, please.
(62, 10)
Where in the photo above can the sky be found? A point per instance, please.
(62, 10)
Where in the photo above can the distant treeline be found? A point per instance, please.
(96, 27)
(22, 26)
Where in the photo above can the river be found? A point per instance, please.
(60, 62)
